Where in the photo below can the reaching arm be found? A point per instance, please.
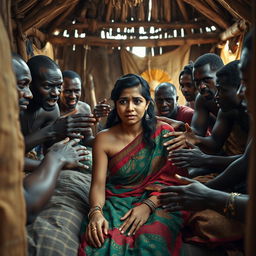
(195, 196)
(40, 184)
(234, 173)
(199, 123)
(195, 158)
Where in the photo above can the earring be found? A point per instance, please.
(147, 117)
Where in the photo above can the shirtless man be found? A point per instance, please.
(187, 85)
(70, 102)
(196, 196)
(232, 124)
(39, 185)
(40, 122)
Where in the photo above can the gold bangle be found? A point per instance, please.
(93, 210)
(230, 209)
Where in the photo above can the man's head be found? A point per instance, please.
(204, 74)
(227, 84)
(166, 100)
(187, 85)
(23, 80)
(245, 68)
(71, 89)
(46, 82)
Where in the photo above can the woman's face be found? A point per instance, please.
(131, 106)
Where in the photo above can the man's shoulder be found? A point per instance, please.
(83, 107)
(186, 109)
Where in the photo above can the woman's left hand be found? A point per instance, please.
(135, 218)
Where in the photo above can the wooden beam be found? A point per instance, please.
(183, 9)
(25, 6)
(208, 12)
(237, 9)
(167, 10)
(96, 41)
(235, 30)
(61, 18)
(109, 11)
(101, 25)
(38, 14)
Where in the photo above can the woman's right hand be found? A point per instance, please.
(96, 229)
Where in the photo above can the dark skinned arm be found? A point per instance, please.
(199, 123)
(211, 144)
(40, 184)
(195, 158)
(31, 164)
(234, 173)
(194, 196)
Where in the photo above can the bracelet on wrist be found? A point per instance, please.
(150, 204)
(230, 207)
(93, 210)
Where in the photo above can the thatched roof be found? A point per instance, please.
(157, 22)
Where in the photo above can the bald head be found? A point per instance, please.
(166, 100)
(46, 82)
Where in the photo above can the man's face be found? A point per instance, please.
(244, 69)
(23, 80)
(48, 87)
(187, 87)
(71, 92)
(166, 102)
(205, 81)
(226, 96)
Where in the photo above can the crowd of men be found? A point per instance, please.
(212, 134)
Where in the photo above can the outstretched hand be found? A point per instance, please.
(177, 125)
(182, 139)
(192, 197)
(134, 219)
(71, 126)
(102, 109)
(71, 152)
(192, 157)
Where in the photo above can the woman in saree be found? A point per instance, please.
(129, 167)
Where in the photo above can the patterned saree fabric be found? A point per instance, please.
(136, 173)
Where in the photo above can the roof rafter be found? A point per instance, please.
(207, 12)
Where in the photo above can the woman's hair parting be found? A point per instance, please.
(149, 119)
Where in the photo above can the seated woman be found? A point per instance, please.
(129, 167)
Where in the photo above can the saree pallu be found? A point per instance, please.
(134, 174)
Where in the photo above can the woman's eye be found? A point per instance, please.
(122, 102)
(137, 101)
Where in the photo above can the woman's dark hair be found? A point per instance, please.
(149, 119)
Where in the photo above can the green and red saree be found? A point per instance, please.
(134, 174)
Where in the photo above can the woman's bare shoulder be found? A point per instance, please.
(106, 135)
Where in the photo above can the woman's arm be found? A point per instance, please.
(97, 223)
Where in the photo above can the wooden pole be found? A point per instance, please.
(238, 9)
(208, 12)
